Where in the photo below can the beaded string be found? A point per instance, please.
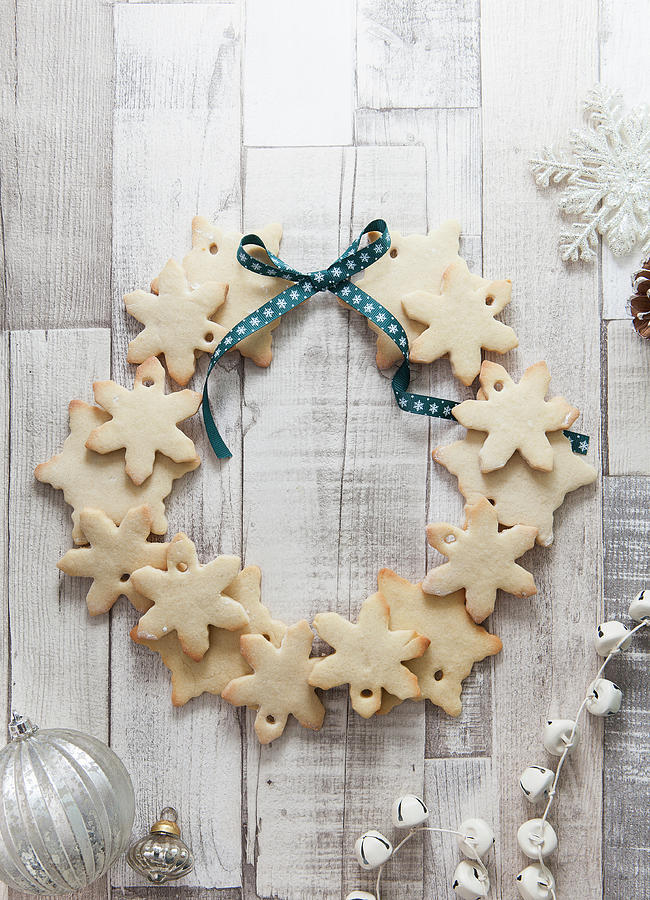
(468, 840)
(538, 837)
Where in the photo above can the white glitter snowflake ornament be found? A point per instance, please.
(608, 186)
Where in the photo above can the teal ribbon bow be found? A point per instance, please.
(336, 279)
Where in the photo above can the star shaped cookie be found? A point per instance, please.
(460, 320)
(520, 495)
(223, 660)
(481, 559)
(456, 641)
(115, 552)
(414, 261)
(177, 323)
(515, 416)
(98, 481)
(188, 597)
(368, 656)
(279, 685)
(213, 257)
(147, 404)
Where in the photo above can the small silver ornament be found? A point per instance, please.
(67, 809)
(161, 855)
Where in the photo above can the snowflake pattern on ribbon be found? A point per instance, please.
(607, 188)
(333, 279)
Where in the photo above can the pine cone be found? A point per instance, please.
(640, 303)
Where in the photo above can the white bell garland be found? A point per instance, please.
(560, 737)
(474, 836)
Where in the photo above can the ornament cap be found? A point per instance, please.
(167, 823)
(21, 727)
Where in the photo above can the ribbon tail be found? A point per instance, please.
(216, 441)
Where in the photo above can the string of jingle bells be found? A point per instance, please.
(536, 837)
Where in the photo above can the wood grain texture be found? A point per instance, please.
(621, 59)
(55, 146)
(5, 667)
(59, 657)
(626, 797)
(382, 519)
(547, 638)
(452, 142)
(418, 54)
(165, 135)
(454, 790)
(304, 96)
(628, 401)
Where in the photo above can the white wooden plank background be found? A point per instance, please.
(321, 115)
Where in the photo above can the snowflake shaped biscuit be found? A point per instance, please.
(176, 321)
(460, 321)
(608, 186)
(115, 552)
(456, 641)
(213, 257)
(147, 402)
(97, 481)
(279, 685)
(188, 597)
(515, 416)
(481, 559)
(414, 261)
(521, 495)
(368, 656)
(223, 660)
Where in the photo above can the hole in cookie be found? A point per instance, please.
(438, 675)
(125, 577)
(489, 300)
(393, 253)
(181, 566)
(490, 500)
(498, 385)
(366, 692)
(266, 637)
(450, 538)
(208, 336)
(148, 382)
(270, 720)
(213, 249)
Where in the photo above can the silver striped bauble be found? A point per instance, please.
(66, 812)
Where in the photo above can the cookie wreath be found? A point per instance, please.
(207, 621)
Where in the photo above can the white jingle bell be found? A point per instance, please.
(536, 883)
(536, 783)
(608, 635)
(640, 606)
(360, 895)
(535, 836)
(373, 849)
(470, 882)
(475, 838)
(557, 736)
(604, 697)
(409, 811)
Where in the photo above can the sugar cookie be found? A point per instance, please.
(115, 552)
(223, 660)
(456, 641)
(515, 416)
(213, 257)
(144, 421)
(368, 656)
(279, 685)
(460, 321)
(520, 495)
(99, 481)
(188, 597)
(177, 322)
(481, 559)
